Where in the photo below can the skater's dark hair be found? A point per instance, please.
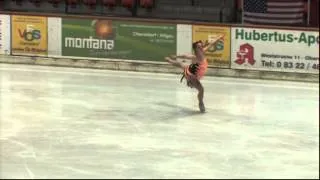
(194, 45)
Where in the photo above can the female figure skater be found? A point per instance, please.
(197, 69)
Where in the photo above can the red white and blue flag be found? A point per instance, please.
(274, 12)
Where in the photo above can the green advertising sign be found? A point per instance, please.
(118, 39)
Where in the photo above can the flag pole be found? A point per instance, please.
(242, 11)
(308, 13)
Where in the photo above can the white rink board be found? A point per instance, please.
(184, 39)
(54, 37)
(5, 34)
(275, 50)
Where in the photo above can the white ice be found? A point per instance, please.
(81, 123)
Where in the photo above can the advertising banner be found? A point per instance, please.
(118, 39)
(275, 50)
(4, 34)
(29, 35)
(218, 55)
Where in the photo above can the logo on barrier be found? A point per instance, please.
(29, 33)
(103, 29)
(245, 54)
(219, 54)
(101, 39)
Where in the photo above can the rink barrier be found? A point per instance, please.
(226, 59)
(156, 68)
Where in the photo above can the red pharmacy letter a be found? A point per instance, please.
(245, 54)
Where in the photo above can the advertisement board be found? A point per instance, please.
(4, 34)
(29, 35)
(94, 38)
(275, 50)
(219, 54)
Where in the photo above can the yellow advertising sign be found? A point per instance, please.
(29, 35)
(218, 55)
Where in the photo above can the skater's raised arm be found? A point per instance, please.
(211, 43)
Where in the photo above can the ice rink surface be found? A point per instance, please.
(80, 123)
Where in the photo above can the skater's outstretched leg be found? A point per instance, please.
(175, 63)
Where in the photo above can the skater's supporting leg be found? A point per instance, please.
(197, 84)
